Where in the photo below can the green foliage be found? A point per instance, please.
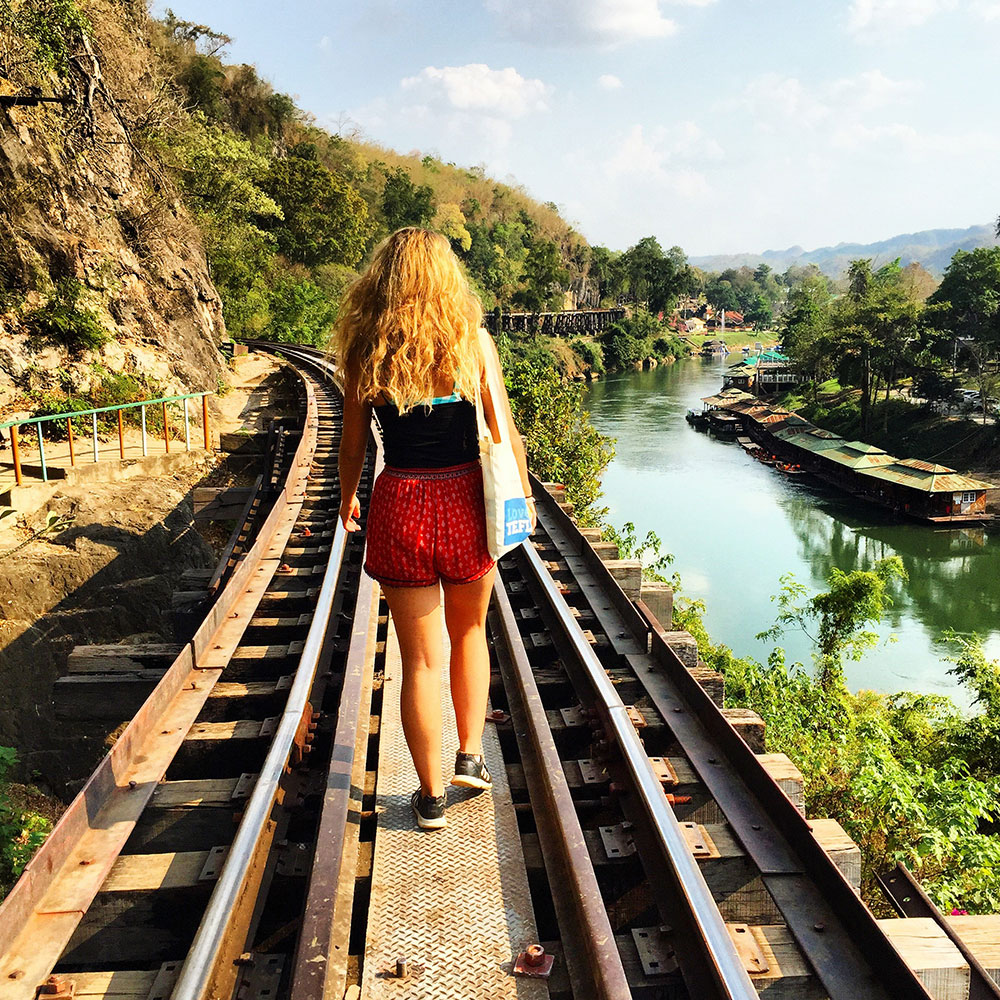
(977, 738)
(322, 220)
(562, 445)
(654, 565)
(21, 830)
(301, 312)
(838, 616)
(589, 353)
(649, 275)
(222, 173)
(909, 777)
(449, 221)
(628, 342)
(969, 296)
(543, 274)
(109, 389)
(405, 203)
(203, 83)
(48, 29)
(66, 320)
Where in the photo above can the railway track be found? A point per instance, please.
(612, 731)
(225, 845)
(184, 847)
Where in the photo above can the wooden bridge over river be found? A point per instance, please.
(571, 323)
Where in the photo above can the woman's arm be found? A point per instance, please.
(351, 458)
(491, 409)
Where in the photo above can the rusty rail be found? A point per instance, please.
(909, 900)
(849, 952)
(207, 970)
(95, 826)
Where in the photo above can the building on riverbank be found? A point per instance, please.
(766, 372)
(922, 490)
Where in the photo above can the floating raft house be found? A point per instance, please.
(928, 492)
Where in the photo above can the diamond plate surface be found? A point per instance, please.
(453, 902)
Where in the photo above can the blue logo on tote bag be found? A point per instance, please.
(516, 521)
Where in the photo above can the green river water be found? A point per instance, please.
(734, 526)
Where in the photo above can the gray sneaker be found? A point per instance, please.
(428, 810)
(471, 772)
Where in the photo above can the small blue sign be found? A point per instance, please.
(516, 521)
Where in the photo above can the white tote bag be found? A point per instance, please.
(508, 522)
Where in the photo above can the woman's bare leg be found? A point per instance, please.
(465, 606)
(416, 614)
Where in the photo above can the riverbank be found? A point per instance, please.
(910, 430)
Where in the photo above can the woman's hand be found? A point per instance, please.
(532, 513)
(349, 510)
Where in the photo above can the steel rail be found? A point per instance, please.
(318, 970)
(201, 965)
(96, 824)
(851, 955)
(596, 970)
(909, 900)
(710, 964)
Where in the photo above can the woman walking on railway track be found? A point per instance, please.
(410, 343)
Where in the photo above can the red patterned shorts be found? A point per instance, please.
(427, 524)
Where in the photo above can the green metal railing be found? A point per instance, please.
(162, 402)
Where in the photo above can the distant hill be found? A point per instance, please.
(933, 248)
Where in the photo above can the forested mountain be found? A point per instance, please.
(154, 197)
(933, 248)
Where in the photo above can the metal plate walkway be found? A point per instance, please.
(454, 903)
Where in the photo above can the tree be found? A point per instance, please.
(760, 314)
(404, 203)
(969, 296)
(721, 295)
(806, 324)
(543, 272)
(872, 326)
(192, 34)
(935, 384)
(649, 275)
(221, 173)
(966, 306)
(836, 620)
(449, 221)
(300, 312)
(563, 446)
(323, 220)
(599, 273)
(203, 81)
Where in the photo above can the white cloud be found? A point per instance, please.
(584, 22)
(667, 157)
(608, 81)
(773, 99)
(872, 20)
(869, 90)
(324, 42)
(503, 93)
(897, 136)
(988, 10)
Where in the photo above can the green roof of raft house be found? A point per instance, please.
(923, 490)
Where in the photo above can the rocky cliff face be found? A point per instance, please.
(83, 205)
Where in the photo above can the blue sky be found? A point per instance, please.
(718, 125)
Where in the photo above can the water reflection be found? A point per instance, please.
(735, 526)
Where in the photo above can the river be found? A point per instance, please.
(735, 526)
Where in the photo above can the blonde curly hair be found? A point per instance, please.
(409, 322)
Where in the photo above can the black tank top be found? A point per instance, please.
(434, 438)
